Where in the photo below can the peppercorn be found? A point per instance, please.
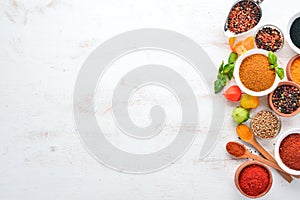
(286, 99)
(269, 38)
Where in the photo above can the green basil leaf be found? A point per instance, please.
(280, 72)
(223, 80)
(272, 66)
(276, 64)
(232, 58)
(221, 67)
(230, 75)
(218, 85)
(228, 68)
(272, 58)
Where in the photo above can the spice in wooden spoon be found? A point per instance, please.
(245, 133)
(238, 150)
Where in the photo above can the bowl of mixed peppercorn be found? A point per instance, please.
(285, 99)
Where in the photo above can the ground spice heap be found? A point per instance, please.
(255, 73)
(269, 38)
(289, 151)
(235, 149)
(286, 99)
(265, 124)
(254, 180)
(294, 32)
(243, 16)
(295, 70)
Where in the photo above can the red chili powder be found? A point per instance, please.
(254, 180)
(289, 151)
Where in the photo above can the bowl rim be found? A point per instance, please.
(273, 26)
(288, 36)
(272, 106)
(237, 76)
(277, 156)
(288, 67)
(243, 166)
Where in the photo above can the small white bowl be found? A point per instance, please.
(277, 156)
(288, 36)
(237, 75)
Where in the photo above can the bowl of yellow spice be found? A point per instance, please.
(293, 69)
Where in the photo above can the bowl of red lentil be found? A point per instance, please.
(285, 99)
(253, 74)
(253, 179)
(287, 150)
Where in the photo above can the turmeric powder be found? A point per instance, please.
(295, 70)
(244, 132)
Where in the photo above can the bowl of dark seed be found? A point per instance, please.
(285, 99)
(293, 36)
(242, 18)
(269, 37)
(265, 124)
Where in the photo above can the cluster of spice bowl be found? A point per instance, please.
(258, 75)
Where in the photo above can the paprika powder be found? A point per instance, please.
(289, 151)
(254, 180)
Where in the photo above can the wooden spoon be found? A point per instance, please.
(239, 150)
(245, 133)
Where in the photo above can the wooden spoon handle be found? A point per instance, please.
(264, 161)
(268, 156)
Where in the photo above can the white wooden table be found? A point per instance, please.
(42, 47)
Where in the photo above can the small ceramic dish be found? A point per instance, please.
(237, 74)
(263, 41)
(238, 175)
(288, 36)
(277, 152)
(273, 107)
(288, 68)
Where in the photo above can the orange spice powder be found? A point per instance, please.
(255, 73)
(295, 70)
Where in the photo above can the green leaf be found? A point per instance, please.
(230, 74)
(232, 58)
(272, 66)
(280, 72)
(221, 67)
(276, 64)
(228, 68)
(272, 58)
(223, 80)
(218, 85)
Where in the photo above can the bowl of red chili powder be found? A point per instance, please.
(287, 151)
(253, 179)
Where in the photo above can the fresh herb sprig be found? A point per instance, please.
(272, 58)
(225, 71)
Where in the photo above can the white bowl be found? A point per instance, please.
(277, 156)
(288, 37)
(237, 75)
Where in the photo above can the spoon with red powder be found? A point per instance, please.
(239, 150)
